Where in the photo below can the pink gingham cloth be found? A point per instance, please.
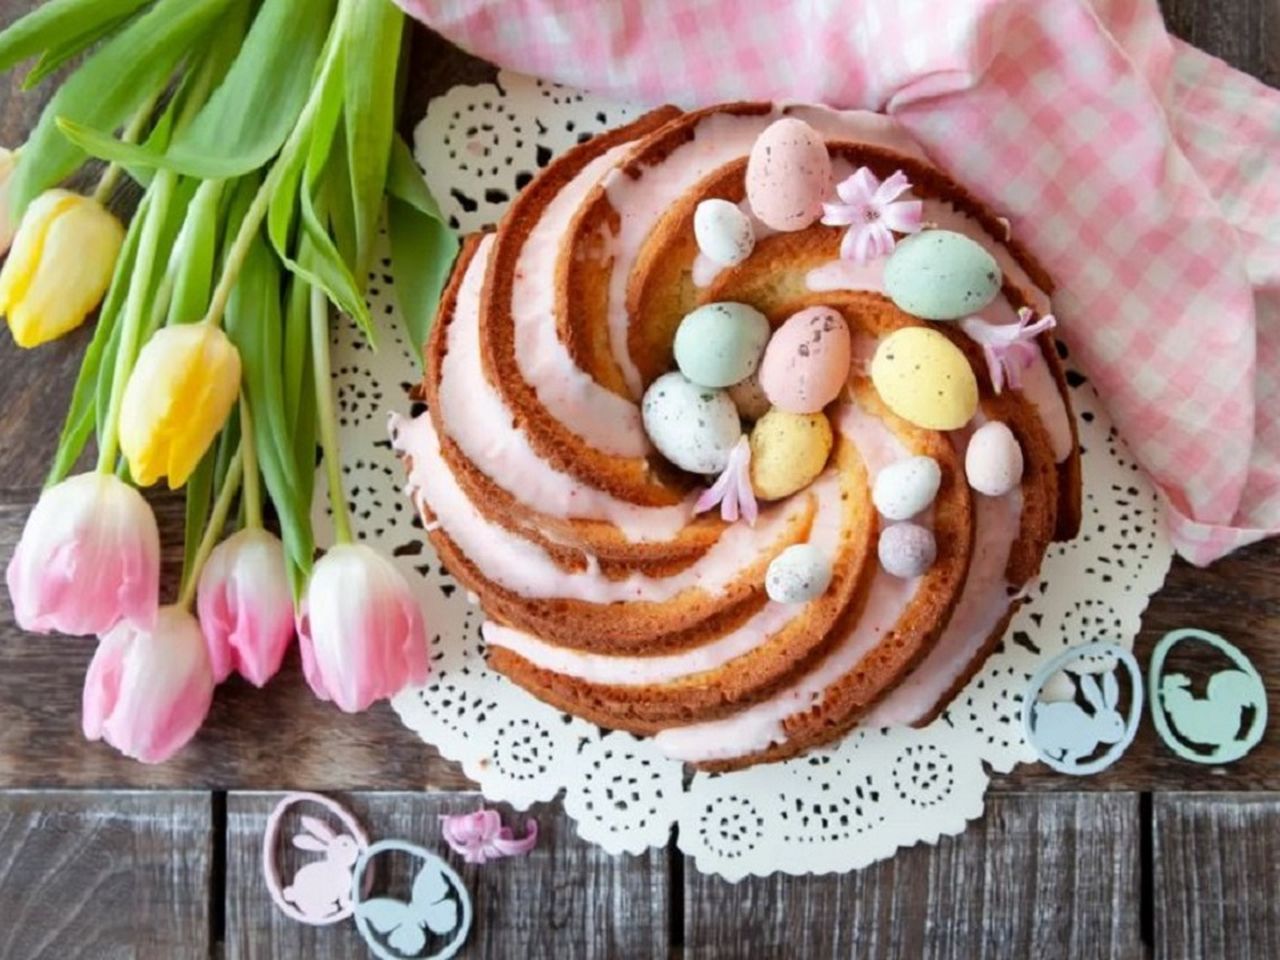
(1144, 173)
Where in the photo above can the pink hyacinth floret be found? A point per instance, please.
(481, 837)
(732, 489)
(1009, 348)
(873, 213)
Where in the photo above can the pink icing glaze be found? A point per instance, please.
(599, 416)
(524, 568)
(846, 275)
(480, 423)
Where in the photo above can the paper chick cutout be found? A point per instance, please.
(1063, 734)
(438, 907)
(1214, 720)
(320, 892)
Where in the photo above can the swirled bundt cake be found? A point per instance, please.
(745, 426)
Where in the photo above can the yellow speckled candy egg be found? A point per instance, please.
(788, 451)
(925, 379)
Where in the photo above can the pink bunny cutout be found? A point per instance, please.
(320, 892)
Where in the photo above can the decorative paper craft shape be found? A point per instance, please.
(439, 904)
(1063, 733)
(320, 892)
(1214, 720)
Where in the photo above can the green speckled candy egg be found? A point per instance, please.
(941, 275)
(720, 344)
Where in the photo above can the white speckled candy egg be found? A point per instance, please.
(907, 487)
(694, 427)
(907, 550)
(723, 231)
(993, 463)
(788, 175)
(806, 363)
(720, 343)
(749, 397)
(941, 275)
(798, 574)
(924, 378)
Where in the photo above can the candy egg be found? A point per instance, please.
(798, 574)
(749, 397)
(694, 427)
(788, 175)
(907, 550)
(806, 363)
(924, 378)
(905, 488)
(723, 231)
(720, 343)
(941, 275)
(993, 463)
(788, 450)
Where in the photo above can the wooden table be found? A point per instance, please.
(101, 857)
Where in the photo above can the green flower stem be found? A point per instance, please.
(111, 176)
(252, 479)
(325, 415)
(139, 284)
(213, 531)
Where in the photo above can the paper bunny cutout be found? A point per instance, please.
(320, 892)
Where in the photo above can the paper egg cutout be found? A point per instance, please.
(437, 915)
(749, 397)
(993, 462)
(788, 451)
(1205, 727)
(798, 574)
(723, 232)
(719, 344)
(925, 379)
(907, 550)
(941, 275)
(694, 427)
(788, 175)
(806, 363)
(906, 488)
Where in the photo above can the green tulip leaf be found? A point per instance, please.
(62, 25)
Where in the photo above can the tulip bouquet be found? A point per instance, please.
(262, 134)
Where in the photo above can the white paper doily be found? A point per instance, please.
(838, 809)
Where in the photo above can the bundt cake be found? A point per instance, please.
(745, 426)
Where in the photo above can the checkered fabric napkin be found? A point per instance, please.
(1144, 173)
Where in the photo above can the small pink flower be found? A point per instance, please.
(89, 557)
(872, 212)
(1009, 348)
(246, 606)
(360, 629)
(481, 837)
(148, 691)
(732, 489)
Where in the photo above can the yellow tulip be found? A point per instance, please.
(8, 160)
(177, 400)
(60, 266)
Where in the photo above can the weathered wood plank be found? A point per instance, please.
(1216, 861)
(105, 875)
(566, 899)
(1245, 33)
(1037, 876)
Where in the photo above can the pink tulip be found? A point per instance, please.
(89, 557)
(481, 837)
(148, 691)
(246, 606)
(360, 629)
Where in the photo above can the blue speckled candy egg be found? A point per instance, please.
(720, 344)
(798, 574)
(941, 275)
(694, 427)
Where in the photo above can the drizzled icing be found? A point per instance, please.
(521, 566)
(476, 418)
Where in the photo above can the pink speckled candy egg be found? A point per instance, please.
(806, 363)
(788, 175)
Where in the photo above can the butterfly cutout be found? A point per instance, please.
(438, 903)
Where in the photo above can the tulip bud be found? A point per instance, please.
(246, 606)
(61, 264)
(360, 629)
(148, 691)
(177, 400)
(89, 557)
(8, 160)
